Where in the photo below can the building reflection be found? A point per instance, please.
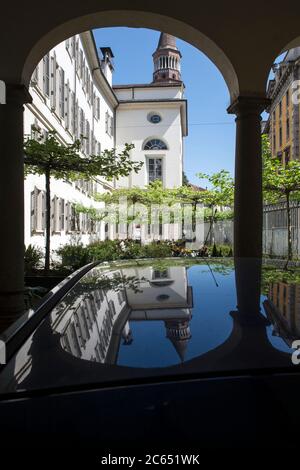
(94, 326)
(283, 310)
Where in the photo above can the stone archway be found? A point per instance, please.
(220, 30)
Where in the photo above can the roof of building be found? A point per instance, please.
(166, 41)
(149, 85)
(196, 188)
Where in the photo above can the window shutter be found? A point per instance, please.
(62, 214)
(87, 137)
(33, 211)
(67, 104)
(98, 108)
(39, 211)
(76, 55)
(106, 122)
(111, 126)
(76, 117)
(67, 217)
(43, 210)
(72, 46)
(53, 82)
(46, 74)
(61, 93)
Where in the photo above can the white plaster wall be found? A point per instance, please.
(177, 291)
(47, 119)
(133, 126)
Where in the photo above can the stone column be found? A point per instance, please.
(248, 176)
(12, 205)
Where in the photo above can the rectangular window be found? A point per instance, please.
(280, 108)
(154, 169)
(46, 74)
(287, 129)
(61, 94)
(274, 142)
(287, 96)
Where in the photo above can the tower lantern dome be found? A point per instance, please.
(166, 60)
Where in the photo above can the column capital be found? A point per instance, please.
(17, 94)
(244, 105)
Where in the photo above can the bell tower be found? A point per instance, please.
(166, 60)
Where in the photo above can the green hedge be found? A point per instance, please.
(76, 255)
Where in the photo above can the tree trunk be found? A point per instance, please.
(194, 220)
(289, 227)
(213, 213)
(48, 222)
(210, 230)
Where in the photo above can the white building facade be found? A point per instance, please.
(73, 94)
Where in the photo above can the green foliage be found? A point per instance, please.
(272, 274)
(64, 161)
(49, 157)
(73, 255)
(279, 180)
(108, 250)
(96, 215)
(220, 251)
(77, 255)
(219, 215)
(157, 250)
(185, 180)
(33, 257)
(222, 189)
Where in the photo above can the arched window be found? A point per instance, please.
(155, 144)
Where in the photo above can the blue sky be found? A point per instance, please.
(210, 144)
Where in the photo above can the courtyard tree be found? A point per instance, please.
(281, 182)
(50, 157)
(138, 198)
(220, 194)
